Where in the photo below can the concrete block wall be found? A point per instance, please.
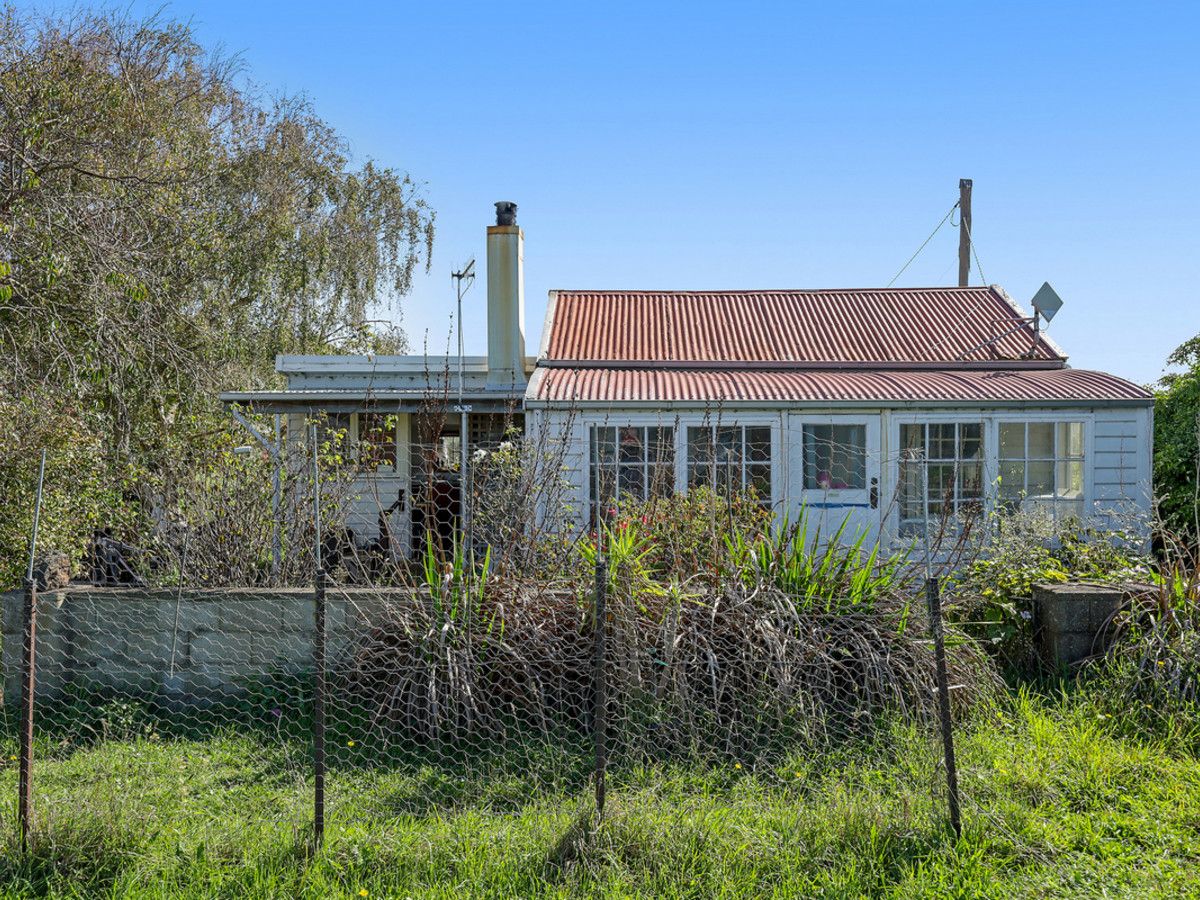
(200, 644)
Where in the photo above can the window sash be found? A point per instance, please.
(835, 457)
(1043, 462)
(952, 454)
(730, 460)
(630, 462)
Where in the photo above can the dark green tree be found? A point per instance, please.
(1176, 433)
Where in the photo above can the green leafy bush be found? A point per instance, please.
(80, 493)
(1025, 548)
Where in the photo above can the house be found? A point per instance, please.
(880, 408)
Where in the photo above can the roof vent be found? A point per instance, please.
(506, 213)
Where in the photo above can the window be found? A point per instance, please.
(730, 460)
(952, 454)
(632, 462)
(335, 439)
(364, 440)
(835, 457)
(1042, 462)
(376, 441)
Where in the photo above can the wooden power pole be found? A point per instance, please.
(964, 231)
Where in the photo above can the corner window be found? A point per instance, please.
(633, 462)
(730, 460)
(950, 454)
(1042, 463)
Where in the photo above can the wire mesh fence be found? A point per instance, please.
(468, 655)
(208, 705)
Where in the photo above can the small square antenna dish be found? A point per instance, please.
(1046, 302)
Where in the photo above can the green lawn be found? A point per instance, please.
(1055, 806)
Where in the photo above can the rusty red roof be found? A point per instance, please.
(1024, 386)
(892, 325)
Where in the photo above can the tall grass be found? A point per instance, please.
(1056, 806)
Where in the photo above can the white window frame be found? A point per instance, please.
(590, 475)
(897, 460)
(1086, 418)
(743, 425)
(351, 453)
(991, 420)
(680, 423)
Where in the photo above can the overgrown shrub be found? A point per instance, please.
(83, 489)
(1150, 678)
(994, 590)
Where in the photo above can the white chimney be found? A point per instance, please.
(506, 300)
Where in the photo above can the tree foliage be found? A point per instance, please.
(79, 493)
(1176, 433)
(165, 229)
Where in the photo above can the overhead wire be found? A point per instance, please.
(924, 245)
(974, 252)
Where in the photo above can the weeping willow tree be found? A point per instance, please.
(166, 228)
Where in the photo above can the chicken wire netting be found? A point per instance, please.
(451, 651)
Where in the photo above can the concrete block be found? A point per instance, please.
(194, 615)
(366, 612)
(154, 649)
(124, 676)
(255, 650)
(1066, 648)
(1075, 619)
(251, 615)
(1077, 607)
(108, 614)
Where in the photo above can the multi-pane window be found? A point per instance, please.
(632, 462)
(950, 456)
(731, 459)
(335, 439)
(1042, 462)
(835, 457)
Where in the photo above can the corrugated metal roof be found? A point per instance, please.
(918, 325)
(617, 386)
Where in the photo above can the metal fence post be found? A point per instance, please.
(934, 602)
(318, 736)
(319, 711)
(25, 811)
(29, 661)
(600, 685)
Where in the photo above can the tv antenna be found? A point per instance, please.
(463, 279)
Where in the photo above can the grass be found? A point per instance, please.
(1057, 804)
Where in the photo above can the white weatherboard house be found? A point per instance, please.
(836, 400)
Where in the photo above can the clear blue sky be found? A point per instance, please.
(768, 145)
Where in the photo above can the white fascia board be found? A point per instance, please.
(358, 365)
(547, 324)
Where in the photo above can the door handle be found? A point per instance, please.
(874, 493)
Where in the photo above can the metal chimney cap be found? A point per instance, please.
(506, 213)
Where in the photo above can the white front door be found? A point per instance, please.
(833, 467)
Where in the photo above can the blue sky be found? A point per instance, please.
(766, 145)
